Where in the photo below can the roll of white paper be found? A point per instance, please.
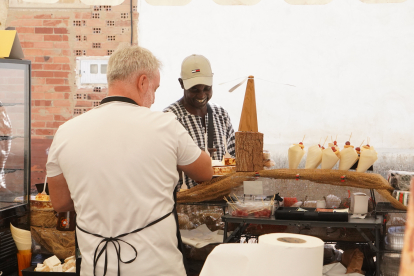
(281, 254)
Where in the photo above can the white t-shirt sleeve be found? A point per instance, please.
(52, 165)
(187, 150)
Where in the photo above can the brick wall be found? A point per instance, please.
(52, 39)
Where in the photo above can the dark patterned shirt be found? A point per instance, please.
(194, 126)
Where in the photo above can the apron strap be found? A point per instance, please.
(180, 244)
(116, 242)
(210, 127)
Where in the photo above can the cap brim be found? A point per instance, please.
(197, 80)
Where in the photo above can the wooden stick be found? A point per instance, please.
(236, 197)
(362, 143)
(230, 204)
(325, 141)
(336, 138)
(350, 137)
(303, 137)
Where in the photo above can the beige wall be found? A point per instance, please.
(4, 7)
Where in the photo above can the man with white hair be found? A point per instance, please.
(116, 166)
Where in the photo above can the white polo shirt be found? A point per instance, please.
(120, 162)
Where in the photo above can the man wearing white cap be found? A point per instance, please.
(193, 111)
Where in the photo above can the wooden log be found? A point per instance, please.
(249, 151)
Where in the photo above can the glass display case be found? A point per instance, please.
(14, 132)
(14, 156)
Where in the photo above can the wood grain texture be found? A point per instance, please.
(249, 151)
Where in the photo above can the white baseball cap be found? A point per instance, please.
(196, 69)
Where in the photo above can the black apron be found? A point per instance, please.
(116, 241)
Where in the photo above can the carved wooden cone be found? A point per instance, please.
(249, 142)
(248, 119)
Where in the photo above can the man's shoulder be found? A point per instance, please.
(175, 108)
(218, 109)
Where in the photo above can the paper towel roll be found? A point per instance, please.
(279, 254)
(294, 249)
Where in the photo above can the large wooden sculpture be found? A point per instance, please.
(249, 141)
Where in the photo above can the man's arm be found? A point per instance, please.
(199, 170)
(60, 194)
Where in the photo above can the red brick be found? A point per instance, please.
(26, 23)
(27, 44)
(54, 124)
(60, 30)
(25, 30)
(86, 15)
(96, 23)
(42, 103)
(43, 45)
(61, 103)
(83, 104)
(43, 74)
(54, 96)
(38, 81)
(66, 52)
(61, 17)
(78, 15)
(33, 52)
(121, 8)
(55, 81)
(43, 88)
(40, 117)
(37, 66)
(53, 22)
(67, 95)
(61, 74)
(43, 16)
(37, 95)
(65, 67)
(45, 131)
(38, 124)
(61, 60)
(44, 59)
(44, 30)
(52, 66)
(53, 38)
(62, 45)
(61, 118)
(96, 97)
(52, 52)
(96, 52)
(60, 110)
(123, 23)
(33, 37)
(65, 38)
(112, 16)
